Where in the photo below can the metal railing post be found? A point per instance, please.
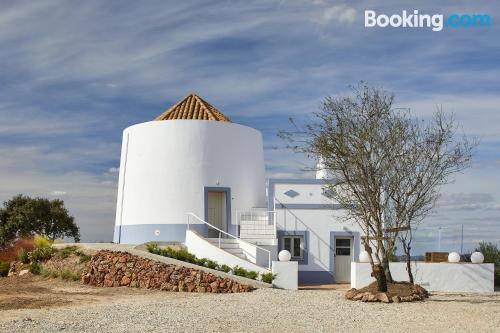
(219, 238)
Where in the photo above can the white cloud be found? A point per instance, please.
(57, 193)
(468, 201)
(340, 14)
(114, 170)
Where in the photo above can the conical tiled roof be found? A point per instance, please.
(192, 107)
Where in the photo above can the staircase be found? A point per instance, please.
(230, 245)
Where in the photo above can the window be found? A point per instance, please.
(343, 247)
(294, 244)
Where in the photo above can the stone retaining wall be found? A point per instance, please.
(115, 269)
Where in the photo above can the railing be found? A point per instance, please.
(222, 232)
(260, 220)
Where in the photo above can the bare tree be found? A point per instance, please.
(386, 166)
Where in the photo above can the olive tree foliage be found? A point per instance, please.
(386, 166)
(23, 216)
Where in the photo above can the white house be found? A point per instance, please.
(192, 176)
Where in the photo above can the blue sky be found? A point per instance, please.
(73, 75)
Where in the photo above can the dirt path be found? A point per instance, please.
(32, 304)
(33, 292)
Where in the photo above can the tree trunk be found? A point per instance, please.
(407, 251)
(387, 271)
(380, 277)
(408, 268)
(385, 262)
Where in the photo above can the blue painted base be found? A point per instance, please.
(143, 233)
(315, 277)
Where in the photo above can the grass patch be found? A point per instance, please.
(22, 256)
(35, 268)
(4, 268)
(67, 251)
(40, 254)
(84, 258)
(41, 241)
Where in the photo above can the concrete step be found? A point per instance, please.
(234, 251)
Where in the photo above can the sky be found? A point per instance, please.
(74, 74)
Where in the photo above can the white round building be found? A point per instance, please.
(189, 159)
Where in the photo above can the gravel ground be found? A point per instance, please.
(264, 310)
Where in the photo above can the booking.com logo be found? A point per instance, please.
(416, 20)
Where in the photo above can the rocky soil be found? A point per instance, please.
(82, 308)
(397, 292)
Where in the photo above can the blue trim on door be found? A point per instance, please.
(229, 226)
(305, 250)
(355, 246)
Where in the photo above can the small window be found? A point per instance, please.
(294, 244)
(343, 251)
(343, 242)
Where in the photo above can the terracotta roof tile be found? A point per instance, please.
(192, 107)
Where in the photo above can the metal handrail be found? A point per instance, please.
(230, 235)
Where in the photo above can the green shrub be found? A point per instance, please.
(35, 268)
(84, 258)
(69, 275)
(267, 277)
(40, 254)
(491, 254)
(41, 241)
(224, 268)
(22, 256)
(184, 255)
(4, 268)
(211, 264)
(240, 271)
(201, 261)
(67, 251)
(252, 275)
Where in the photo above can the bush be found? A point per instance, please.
(267, 277)
(35, 268)
(22, 256)
(40, 254)
(67, 251)
(9, 253)
(4, 268)
(184, 255)
(224, 268)
(491, 254)
(41, 241)
(211, 264)
(84, 258)
(69, 275)
(240, 271)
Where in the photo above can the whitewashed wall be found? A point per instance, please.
(204, 249)
(165, 166)
(311, 211)
(446, 277)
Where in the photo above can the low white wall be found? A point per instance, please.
(198, 246)
(447, 277)
(287, 274)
